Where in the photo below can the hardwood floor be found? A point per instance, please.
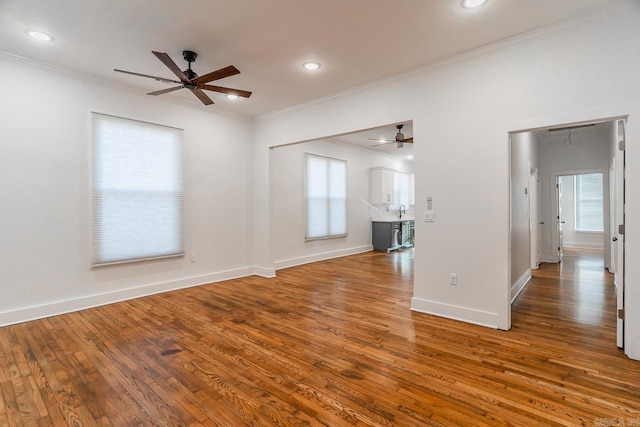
(332, 343)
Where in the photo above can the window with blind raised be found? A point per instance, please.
(325, 197)
(589, 202)
(137, 190)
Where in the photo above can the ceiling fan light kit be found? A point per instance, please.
(189, 79)
(470, 4)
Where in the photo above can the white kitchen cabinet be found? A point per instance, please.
(381, 186)
(412, 189)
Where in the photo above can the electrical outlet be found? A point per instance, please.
(453, 279)
(193, 257)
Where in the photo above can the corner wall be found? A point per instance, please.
(45, 186)
(462, 114)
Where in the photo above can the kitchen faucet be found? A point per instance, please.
(403, 209)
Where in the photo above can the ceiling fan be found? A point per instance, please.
(400, 139)
(190, 80)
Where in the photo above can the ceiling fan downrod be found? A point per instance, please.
(190, 56)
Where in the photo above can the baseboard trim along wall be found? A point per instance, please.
(67, 306)
(519, 285)
(580, 245)
(292, 262)
(454, 312)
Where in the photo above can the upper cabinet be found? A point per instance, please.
(412, 189)
(381, 186)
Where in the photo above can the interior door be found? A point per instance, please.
(559, 219)
(534, 224)
(618, 232)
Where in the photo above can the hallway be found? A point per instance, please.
(577, 290)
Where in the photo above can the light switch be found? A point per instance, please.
(429, 216)
(429, 203)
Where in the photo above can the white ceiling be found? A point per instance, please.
(358, 42)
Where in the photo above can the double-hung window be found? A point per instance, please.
(137, 190)
(400, 191)
(589, 202)
(325, 197)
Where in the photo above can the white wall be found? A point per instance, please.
(288, 246)
(589, 151)
(524, 160)
(462, 113)
(44, 182)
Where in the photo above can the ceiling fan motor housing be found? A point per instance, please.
(189, 56)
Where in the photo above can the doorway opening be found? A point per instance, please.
(567, 206)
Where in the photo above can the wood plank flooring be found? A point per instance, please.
(332, 343)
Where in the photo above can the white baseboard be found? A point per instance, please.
(548, 258)
(292, 262)
(268, 272)
(518, 287)
(464, 314)
(580, 245)
(61, 307)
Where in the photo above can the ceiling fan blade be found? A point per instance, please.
(382, 140)
(216, 75)
(160, 92)
(384, 143)
(409, 140)
(202, 96)
(166, 60)
(160, 79)
(227, 90)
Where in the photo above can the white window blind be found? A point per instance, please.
(137, 190)
(325, 197)
(400, 190)
(588, 202)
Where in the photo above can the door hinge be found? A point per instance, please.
(558, 248)
(621, 313)
(621, 145)
(621, 229)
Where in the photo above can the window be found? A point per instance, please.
(325, 197)
(137, 193)
(588, 202)
(400, 191)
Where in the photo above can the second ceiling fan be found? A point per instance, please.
(190, 80)
(399, 140)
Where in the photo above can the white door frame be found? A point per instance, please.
(534, 218)
(620, 176)
(618, 246)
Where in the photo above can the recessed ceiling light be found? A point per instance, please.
(409, 157)
(39, 35)
(311, 66)
(470, 4)
(232, 96)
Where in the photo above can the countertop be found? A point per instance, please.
(393, 219)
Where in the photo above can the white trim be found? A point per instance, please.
(520, 285)
(454, 312)
(579, 245)
(292, 262)
(267, 272)
(549, 258)
(75, 304)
